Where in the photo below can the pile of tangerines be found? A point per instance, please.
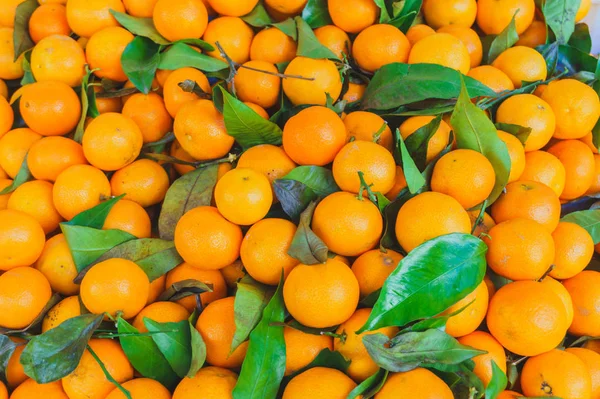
(321, 199)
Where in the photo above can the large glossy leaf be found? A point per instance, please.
(308, 44)
(180, 55)
(475, 131)
(140, 61)
(139, 26)
(319, 179)
(258, 17)
(61, 347)
(316, 14)
(397, 84)
(96, 216)
(264, 365)
(411, 350)
(505, 40)
(23, 176)
(293, 196)
(174, 342)
(497, 384)
(430, 279)
(560, 17)
(288, 27)
(251, 298)
(589, 220)
(191, 190)
(306, 246)
(21, 39)
(246, 126)
(581, 38)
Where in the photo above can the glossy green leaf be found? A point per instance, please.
(497, 384)
(306, 246)
(61, 347)
(258, 17)
(184, 288)
(21, 39)
(23, 176)
(94, 217)
(404, 19)
(560, 17)
(411, 350)
(293, 196)
(520, 132)
(190, 191)
(412, 174)
(7, 348)
(140, 61)
(572, 60)
(201, 44)
(251, 298)
(369, 387)
(198, 350)
(418, 82)
(316, 14)
(85, 105)
(264, 364)
(246, 126)
(180, 55)
(144, 355)
(308, 44)
(288, 27)
(88, 244)
(325, 358)
(581, 38)
(418, 142)
(28, 77)
(319, 179)
(475, 131)
(430, 279)
(139, 27)
(589, 220)
(174, 342)
(505, 40)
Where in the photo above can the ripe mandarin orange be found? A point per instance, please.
(79, 188)
(8, 11)
(140, 8)
(32, 389)
(533, 36)
(47, 20)
(591, 360)
(335, 39)
(130, 217)
(9, 68)
(470, 318)
(469, 38)
(258, 87)
(584, 293)
(379, 45)
(521, 64)
(440, 13)
(492, 77)
(353, 16)
(437, 142)
(35, 199)
(418, 32)
(418, 383)
(148, 111)
(233, 8)
(516, 152)
(372, 269)
(563, 294)
(13, 148)
(6, 116)
(48, 157)
(574, 250)
(302, 348)
(483, 363)
(579, 164)
(104, 50)
(141, 388)
(213, 381)
(495, 15)
(24, 291)
(325, 80)
(319, 383)
(87, 17)
(21, 239)
(272, 45)
(364, 126)
(66, 309)
(58, 58)
(442, 49)
(234, 36)
(180, 19)
(270, 160)
(143, 181)
(174, 96)
(543, 167)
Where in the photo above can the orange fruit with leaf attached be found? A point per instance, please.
(470, 317)
(234, 36)
(35, 199)
(372, 269)
(148, 111)
(530, 111)
(319, 383)
(574, 250)
(6, 116)
(160, 312)
(88, 380)
(442, 49)
(379, 45)
(174, 96)
(141, 388)
(213, 278)
(270, 160)
(87, 17)
(576, 106)
(310, 80)
(48, 157)
(579, 164)
(469, 38)
(521, 64)
(208, 381)
(441, 13)
(533, 36)
(427, 216)
(194, 238)
(353, 16)
(543, 167)
(527, 318)
(21, 239)
(104, 50)
(348, 225)
(32, 389)
(58, 58)
(483, 363)
(351, 346)
(112, 141)
(260, 88)
(368, 126)
(48, 20)
(335, 39)
(50, 108)
(200, 129)
(321, 295)
(493, 16)
(437, 142)
(273, 46)
(13, 149)
(143, 181)
(519, 249)
(130, 217)
(584, 293)
(314, 136)
(217, 327)
(24, 292)
(557, 373)
(418, 383)
(492, 77)
(9, 68)
(591, 360)
(302, 348)
(66, 309)
(180, 19)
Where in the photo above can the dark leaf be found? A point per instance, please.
(61, 347)
(573, 60)
(183, 289)
(264, 365)
(581, 38)
(288, 27)
(505, 40)
(258, 17)
(512, 375)
(174, 342)
(414, 179)
(369, 387)
(520, 132)
(382, 201)
(251, 298)
(21, 39)
(463, 382)
(550, 54)
(190, 191)
(316, 14)
(407, 15)
(293, 196)
(28, 77)
(560, 17)
(430, 279)
(85, 105)
(497, 384)
(198, 350)
(7, 348)
(127, 91)
(319, 179)
(94, 217)
(180, 55)
(418, 142)
(595, 135)
(23, 176)
(139, 61)
(306, 246)
(308, 44)
(140, 27)
(589, 220)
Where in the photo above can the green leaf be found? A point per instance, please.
(316, 14)
(85, 105)
(7, 348)
(139, 27)
(369, 387)
(246, 126)
(54, 299)
(288, 27)
(474, 131)
(497, 383)
(294, 196)
(306, 246)
(88, 244)
(411, 350)
(190, 191)
(184, 288)
(174, 342)
(60, 347)
(180, 55)
(319, 179)
(308, 44)
(437, 323)
(382, 201)
(462, 381)
(595, 135)
(397, 84)
(96, 216)
(28, 77)
(418, 142)
(251, 298)
(23, 176)
(198, 350)
(258, 17)
(21, 39)
(505, 40)
(560, 17)
(140, 61)
(407, 15)
(384, 14)
(264, 365)
(430, 279)
(201, 44)
(589, 220)
(581, 38)
(414, 179)
(572, 60)
(520, 132)
(145, 356)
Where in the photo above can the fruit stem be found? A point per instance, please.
(168, 138)
(547, 273)
(107, 374)
(378, 133)
(191, 86)
(365, 186)
(480, 216)
(342, 337)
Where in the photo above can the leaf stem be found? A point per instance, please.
(281, 75)
(367, 188)
(107, 374)
(378, 133)
(342, 337)
(191, 86)
(547, 273)
(581, 340)
(480, 216)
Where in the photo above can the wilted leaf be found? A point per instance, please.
(184, 288)
(294, 196)
(251, 298)
(306, 246)
(21, 39)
